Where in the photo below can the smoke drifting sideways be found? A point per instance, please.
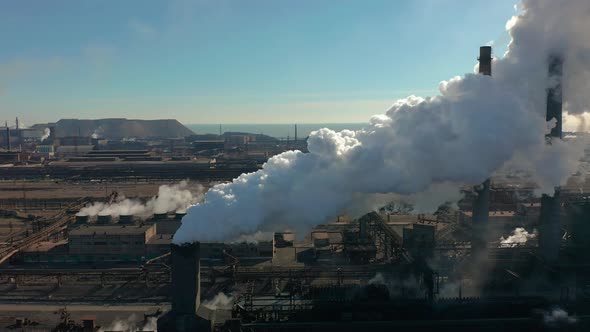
(519, 236)
(220, 301)
(131, 324)
(174, 198)
(474, 127)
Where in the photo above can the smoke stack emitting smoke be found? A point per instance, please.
(46, 134)
(476, 125)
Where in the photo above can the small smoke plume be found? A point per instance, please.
(220, 301)
(131, 324)
(378, 279)
(475, 126)
(408, 286)
(519, 236)
(97, 133)
(174, 198)
(46, 133)
(258, 236)
(558, 317)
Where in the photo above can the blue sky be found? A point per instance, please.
(235, 61)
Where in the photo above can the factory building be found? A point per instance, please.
(110, 243)
(9, 157)
(67, 151)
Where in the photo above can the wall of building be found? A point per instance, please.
(107, 243)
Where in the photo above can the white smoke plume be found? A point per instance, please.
(46, 133)
(558, 317)
(174, 198)
(220, 301)
(256, 237)
(97, 133)
(131, 324)
(519, 236)
(378, 279)
(473, 128)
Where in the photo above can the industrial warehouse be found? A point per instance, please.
(465, 211)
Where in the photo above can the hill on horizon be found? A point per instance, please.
(120, 128)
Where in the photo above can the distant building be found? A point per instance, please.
(65, 151)
(9, 157)
(237, 141)
(45, 148)
(110, 243)
(32, 133)
(75, 140)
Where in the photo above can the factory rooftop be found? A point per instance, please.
(110, 230)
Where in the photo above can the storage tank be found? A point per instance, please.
(126, 219)
(82, 219)
(103, 219)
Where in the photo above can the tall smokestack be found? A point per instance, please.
(554, 97)
(550, 221)
(485, 60)
(481, 203)
(295, 132)
(186, 285)
(8, 137)
(186, 290)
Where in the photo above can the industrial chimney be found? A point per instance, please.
(481, 202)
(185, 291)
(485, 60)
(8, 147)
(550, 221)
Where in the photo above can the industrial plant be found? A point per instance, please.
(424, 220)
(502, 256)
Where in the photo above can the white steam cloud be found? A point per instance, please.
(256, 237)
(220, 301)
(97, 133)
(131, 325)
(46, 133)
(558, 317)
(174, 198)
(519, 236)
(473, 128)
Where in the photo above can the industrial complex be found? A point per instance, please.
(85, 242)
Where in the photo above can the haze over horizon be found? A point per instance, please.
(235, 62)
